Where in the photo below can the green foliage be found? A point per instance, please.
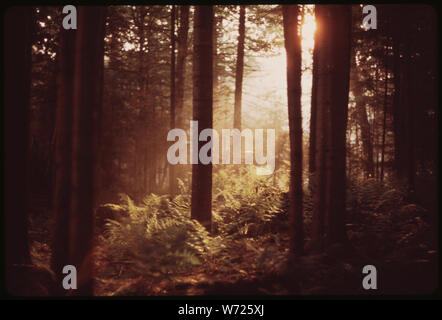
(157, 238)
(246, 206)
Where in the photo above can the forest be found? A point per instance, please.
(224, 150)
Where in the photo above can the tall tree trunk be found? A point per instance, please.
(201, 207)
(322, 104)
(141, 159)
(340, 36)
(74, 225)
(182, 53)
(374, 135)
(17, 64)
(397, 116)
(63, 152)
(216, 21)
(172, 183)
(293, 48)
(409, 133)
(87, 103)
(312, 134)
(334, 26)
(239, 68)
(362, 117)
(181, 66)
(384, 120)
(403, 106)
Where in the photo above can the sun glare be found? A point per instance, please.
(308, 31)
(266, 89)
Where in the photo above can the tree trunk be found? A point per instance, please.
(312, 137)
(17, 64)
(364, 124)
(397, 116)
(340, 37)
(333, 35)
(183, 32)
(239, 68)
(201, 207)
(81, 79)
(63, 152)
(172, 178)
(181, 66)
(384, 121)
(293, 48)
(403, 108)
(322, 104)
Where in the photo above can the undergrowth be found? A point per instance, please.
(158, 238)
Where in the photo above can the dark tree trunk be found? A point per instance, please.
(74, 224)
(322, 50)
(364, 124)
(403, 106)
(397, 112)
(63, 152)
(172, 178)
(312, 137)
(17, 64)
(142, 163)
(182, 54)
(340, 35)
(293, 48)
(333, 35)
(216, 21)
(239, 68)
(384, 121)
(181, 66)
(87, 103)
(201, 207)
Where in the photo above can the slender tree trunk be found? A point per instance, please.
(322, 104)
(201, 207)
(181, 75)
(181, 66)
(294, 60)
(364, 124)
(216, 20)
(17, 67)
(409, 133)
(384, 121)
(63, 152)
(239, 68)
(374, 135)
(312, 137)
(340, 35)
(397, 108)
(172, 177)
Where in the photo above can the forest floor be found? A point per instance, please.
(401, 244)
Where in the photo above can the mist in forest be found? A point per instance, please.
(174, 150)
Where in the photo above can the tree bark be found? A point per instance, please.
(322, 104)
(63, 153)
(384, 121)
(201, 206)
(181, 66)
(340, 36)
(294, 61)
(239, 68)
(17, 64)
(333, 35)
(83, 82)
(172, 178)
(312, 135)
